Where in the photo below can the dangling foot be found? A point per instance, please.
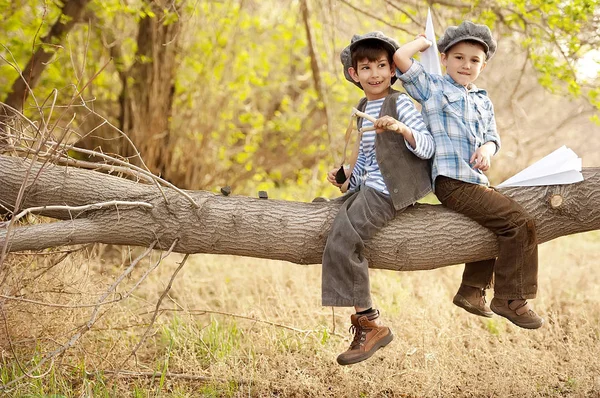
(369, 336)
(518, 312)
(472, 299)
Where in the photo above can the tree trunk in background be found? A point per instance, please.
(71, 13)
(423, 237)
(148, 95)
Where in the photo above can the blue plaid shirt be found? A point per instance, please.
(460, 121)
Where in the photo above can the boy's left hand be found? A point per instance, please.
(481, 159)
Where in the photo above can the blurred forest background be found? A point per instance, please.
(251, 94)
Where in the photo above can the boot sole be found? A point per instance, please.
(380, 344)
(461, 302)
(521, 325)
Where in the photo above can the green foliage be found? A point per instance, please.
(246, 110)
(256, 118)
(492, 327)
(556, 34)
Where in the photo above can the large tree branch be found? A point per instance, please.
(424, 237)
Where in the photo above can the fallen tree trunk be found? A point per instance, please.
(424, 237)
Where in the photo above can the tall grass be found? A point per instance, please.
(234, 326)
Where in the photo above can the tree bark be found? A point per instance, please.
(147, 97)
(424, 237)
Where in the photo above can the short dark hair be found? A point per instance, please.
(371, 50)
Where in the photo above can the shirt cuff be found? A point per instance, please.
(418, 149)
(411, 73)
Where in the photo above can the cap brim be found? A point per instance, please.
(465, 38)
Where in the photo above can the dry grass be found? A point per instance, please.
(439, 350)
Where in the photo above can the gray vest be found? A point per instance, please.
(407, 177)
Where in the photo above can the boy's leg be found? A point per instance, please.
(477, 277)
(345, 277)
(479, 273)
(516, 267)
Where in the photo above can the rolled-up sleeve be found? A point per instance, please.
(408, 114)
(491, 134)
(416, 81)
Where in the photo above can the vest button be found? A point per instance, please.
(396, 190)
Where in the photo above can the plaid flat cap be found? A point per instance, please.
(468, 31)
(346, 55)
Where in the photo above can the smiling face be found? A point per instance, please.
(464, 62)
(375, 76)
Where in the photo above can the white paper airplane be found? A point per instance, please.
(562, 166)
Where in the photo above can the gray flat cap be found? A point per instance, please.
(346, 55)
(468, 31)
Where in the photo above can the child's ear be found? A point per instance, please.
(483, 66)
(353, 74)
(444, 59)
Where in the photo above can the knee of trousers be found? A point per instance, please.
(526, 224)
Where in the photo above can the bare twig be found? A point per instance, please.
(355, 8)
(99, 205)
(89, 324)
(202, 312)
(180, 376)
(42, 303)
(53, 146)
(156, 310)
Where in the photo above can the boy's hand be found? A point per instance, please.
(424, 42)
(403, 55)
(331, 176)
(389, 123)
(481, 159)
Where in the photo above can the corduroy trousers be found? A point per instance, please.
(345, 276)
(515, 270)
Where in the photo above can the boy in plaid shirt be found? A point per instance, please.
(461, 119)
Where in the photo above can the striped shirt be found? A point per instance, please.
(366, 169)
(460, 121)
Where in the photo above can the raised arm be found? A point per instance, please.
(403, 56)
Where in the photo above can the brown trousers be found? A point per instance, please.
(516, 267)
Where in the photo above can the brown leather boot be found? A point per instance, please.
(518, 312)
(472, 299)
(369, 336)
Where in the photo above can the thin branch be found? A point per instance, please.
(54, 145)
(420, 24)
(156, 310)
(180, 376)
(88, 325)
(115, 203)
(54, 305)
(375, 17)
(202, 312)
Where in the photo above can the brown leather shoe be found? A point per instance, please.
(518, 312)
(369, 336)
(472, 299)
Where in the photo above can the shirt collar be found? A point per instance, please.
(472, 89)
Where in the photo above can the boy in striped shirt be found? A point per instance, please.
(391, 173)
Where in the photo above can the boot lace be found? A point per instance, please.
(483, 299)
(360, 335)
